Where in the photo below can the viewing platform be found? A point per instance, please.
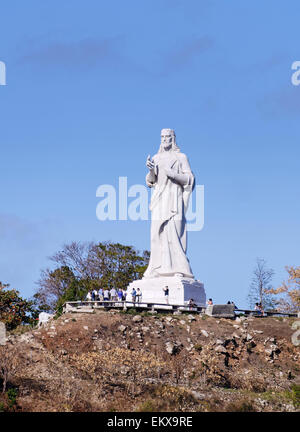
(217, 311)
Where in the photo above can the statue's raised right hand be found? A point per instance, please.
(150, 164)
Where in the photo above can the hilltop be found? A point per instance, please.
(116, 361)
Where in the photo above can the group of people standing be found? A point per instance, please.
(136, 295)
(120, 295)
(259, 309)
(113, 295)
(106, 294)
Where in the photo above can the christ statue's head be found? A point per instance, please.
(168, 141)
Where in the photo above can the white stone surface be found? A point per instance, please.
(221, 311)
(2, 333)
(181, 290)
(44, 317)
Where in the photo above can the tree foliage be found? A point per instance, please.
(80, 267)
(289, 291)
(14, 310)
(259, 291)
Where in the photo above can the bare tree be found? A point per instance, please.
(260, 285)
(75, 256)
(178, 363)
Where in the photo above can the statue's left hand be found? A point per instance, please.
(182, 179)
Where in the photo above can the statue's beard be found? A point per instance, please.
(169, 147)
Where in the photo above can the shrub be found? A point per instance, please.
(295, 395)
(12, 394)
(198, 347)
(14, 310)
(147, 406)
(240, 406)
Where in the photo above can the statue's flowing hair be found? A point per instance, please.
(175, 147)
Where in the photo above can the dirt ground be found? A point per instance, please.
(116, 361)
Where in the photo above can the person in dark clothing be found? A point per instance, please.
(166, 291)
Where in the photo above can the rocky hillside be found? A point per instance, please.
(116, 361)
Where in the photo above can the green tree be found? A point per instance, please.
(14, 310)
(53, 284)
(80, 267)
(76, 290)
(116, 265)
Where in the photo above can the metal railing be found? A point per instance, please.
(266, 313)
(124, 304)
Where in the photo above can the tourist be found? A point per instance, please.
(120, 294)
(100, 294)
(124, 295)
(133, 295)
(166, 291)
(139, 295)
(192, 304)
(258, 308)
(106, 294)
(113, 294)
(89, 296)
(209, 302)
(95, 292)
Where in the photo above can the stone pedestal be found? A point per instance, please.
(181, 290)
(221, 311)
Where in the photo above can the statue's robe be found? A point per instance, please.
(168, 224)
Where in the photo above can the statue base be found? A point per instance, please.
(181, 290)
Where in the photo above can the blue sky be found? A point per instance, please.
(90, 84)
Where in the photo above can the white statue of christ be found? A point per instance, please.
(171, 176)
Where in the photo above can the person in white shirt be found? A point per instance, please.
(100, 293)
(95, 292)
(113, 294)
(139, 295)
